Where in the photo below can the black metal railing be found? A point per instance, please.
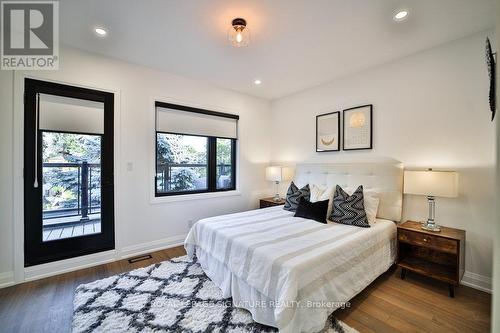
(164, 172)
(83, 187)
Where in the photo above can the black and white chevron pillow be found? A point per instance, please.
(293, 195)
(349, 209)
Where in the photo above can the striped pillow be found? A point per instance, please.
(349, 209)
(293, 195)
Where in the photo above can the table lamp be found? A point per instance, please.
(431, 184)
(277, 174)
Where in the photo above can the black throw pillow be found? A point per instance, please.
(312, 210)
(349, 209)
(293, 196)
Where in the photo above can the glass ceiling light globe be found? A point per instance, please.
(238, 35)
(100, 32)
(401, 15)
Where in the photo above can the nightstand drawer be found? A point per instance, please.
(426, 240)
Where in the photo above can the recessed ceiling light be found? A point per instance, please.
(401, 15)
(100, 32)
(257, 82)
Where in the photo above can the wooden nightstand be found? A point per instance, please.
(269, 202)
(439, 255)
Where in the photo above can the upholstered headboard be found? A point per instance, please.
(384, 178)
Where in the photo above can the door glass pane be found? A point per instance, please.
(71, 196)
(182, 163)
(224, 164)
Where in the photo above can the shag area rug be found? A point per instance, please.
(172, 296)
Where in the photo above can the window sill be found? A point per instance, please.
(195, 196)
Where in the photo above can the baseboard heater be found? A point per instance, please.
(139, 258)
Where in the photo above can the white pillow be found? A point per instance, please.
(320, 193)
(316, 192)
(370, 201)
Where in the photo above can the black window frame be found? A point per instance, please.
(211, 152)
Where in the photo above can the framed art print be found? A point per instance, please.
(328, 132)
(357, 128)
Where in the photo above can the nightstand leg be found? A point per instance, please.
(403, 273)
(451, 290)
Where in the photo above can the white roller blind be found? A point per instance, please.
(184, 122)
(71, 115)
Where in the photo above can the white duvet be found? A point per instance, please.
(290, 272)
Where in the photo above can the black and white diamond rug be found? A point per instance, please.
(172, 296)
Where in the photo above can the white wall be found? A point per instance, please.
(430, 110)
(6, 150)
(139, 221)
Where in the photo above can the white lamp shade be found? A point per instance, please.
(277, 173)
(431, 183)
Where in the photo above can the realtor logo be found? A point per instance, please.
(30, 35)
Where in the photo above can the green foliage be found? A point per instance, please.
(172, 150)
(223, 151)
(176, 150)
(72, 148)
(183, 180)
(60, 187)
(60, 184)
(169, 148)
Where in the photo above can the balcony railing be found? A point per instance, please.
(165, 171)
(84, 183)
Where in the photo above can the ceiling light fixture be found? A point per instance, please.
(238, 34)
(401, 15)
(100, 32)
(257, 82)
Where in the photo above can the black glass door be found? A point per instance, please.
(68, 171)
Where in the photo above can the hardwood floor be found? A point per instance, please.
(417, 304)
(389, 304)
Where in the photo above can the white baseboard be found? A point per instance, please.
(160, 244)
(73, 264)
(476, 281)
(68, 265)
(6, 279)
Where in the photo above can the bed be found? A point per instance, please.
(291, 272)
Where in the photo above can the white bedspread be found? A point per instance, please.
(290, 272)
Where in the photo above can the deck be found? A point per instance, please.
(55, 229)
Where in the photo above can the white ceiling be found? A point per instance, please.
(296, 44)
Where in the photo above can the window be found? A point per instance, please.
(224, 164)
(182, 163)
(195, 150)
